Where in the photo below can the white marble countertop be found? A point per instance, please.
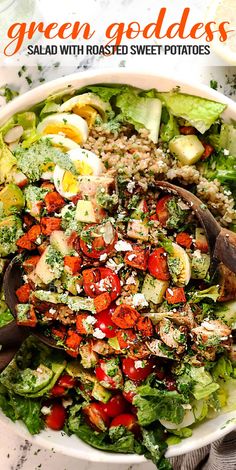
(16, 453)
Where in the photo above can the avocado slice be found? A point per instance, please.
(31, 381)
(10, 231)
(11, 200)
(57, 369)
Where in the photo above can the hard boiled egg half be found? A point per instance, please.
(62, 143)
(86, 163)
(67, 125)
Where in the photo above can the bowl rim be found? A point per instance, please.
(119, 76)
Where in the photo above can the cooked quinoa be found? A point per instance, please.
(135, 156)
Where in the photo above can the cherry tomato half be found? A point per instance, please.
(58, 391)
(129, 391)
(66, 381)
(109, 374)
(96, 416)
(105, 323)
(157, 264)
(56, 419)
(96, 281)
(115, 406)
(162, 210)
(128, 420)
(92, 241)
(132, 370)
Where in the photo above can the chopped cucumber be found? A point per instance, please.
(187, 148)
(200, 264)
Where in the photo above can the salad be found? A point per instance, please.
(116, 271)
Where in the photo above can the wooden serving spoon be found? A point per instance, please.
(222, 242)
(12, 335)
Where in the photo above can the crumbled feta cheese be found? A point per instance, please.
(46, 410)
(170, 291)
(131, 186)
(114, 266)
(103, 257)
(67, 402)
(226, 152)
(25, 278)
(131, 257)
(131, 280)
(197, 254)
(38, 240)
(139, 300)
(98, 333)
(91, 320)
(52, 310)
(138, 364)
(122, 245)
(78, 288)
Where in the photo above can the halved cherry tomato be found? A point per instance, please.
(137, 258)
(105, 323)
(162, 210)
(96, 281)
(109, 374)
(66, 381)
(92, 243)
(131, 369)
(115, 406)
(175, 295)
(208, 151)
(157, 264)
(58, 391)
(187, 130)
(128, 420)
(56, 419)
(96, 416)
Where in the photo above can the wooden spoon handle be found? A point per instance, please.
(6, 357)
(11, 335)
(225, 249)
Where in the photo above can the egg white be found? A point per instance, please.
(86, 163)
(67, 125)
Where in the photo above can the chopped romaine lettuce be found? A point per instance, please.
(209, 293)
(141, 112)
(199, 112)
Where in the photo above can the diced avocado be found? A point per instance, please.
(200, 264)
(154, 289)
(114, 343)
(52, 297)
(10, 231)
(22, 311)
(2, 265)
(75, 369)
(100, 393)
(228, 138)
(85, 212)
(57, 369)
(5, 314)
(59, 241)
(77, 303)
(33, 380)
(7, 161)
(11, 200)
(50, 265)
(187, 148)
(71, 283)
(89, 358)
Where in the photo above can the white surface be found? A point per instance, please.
(26, 454)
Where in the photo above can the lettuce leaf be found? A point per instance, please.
(209, 293)
(25, 409)
(154, 404)
(153, 440)
(141, 112)
(199, 112)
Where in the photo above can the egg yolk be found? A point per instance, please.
(87, 112)
(69, 131)
(70, 183)
(83, 168)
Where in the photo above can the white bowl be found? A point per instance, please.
(206, 432)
